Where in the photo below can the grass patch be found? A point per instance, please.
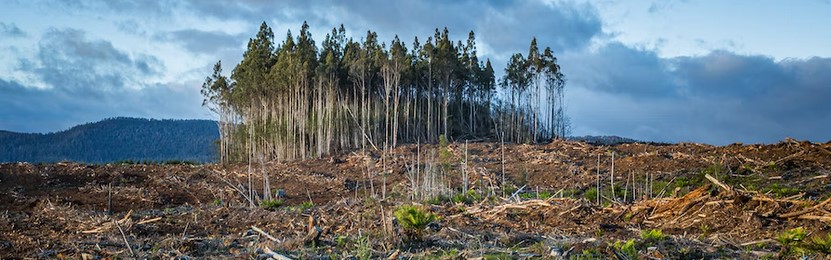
(271, 204)
(781, 191)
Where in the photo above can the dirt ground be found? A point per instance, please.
(341, 207)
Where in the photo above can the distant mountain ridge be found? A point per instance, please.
(604, 140)
(115, 139)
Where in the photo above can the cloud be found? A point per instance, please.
(87, 80)
(28, 109)
(11, 30)
(718, 98)
(204, 42)
(621, 70)
(66, 59)
(504, 25)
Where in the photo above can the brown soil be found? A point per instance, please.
(59, 210)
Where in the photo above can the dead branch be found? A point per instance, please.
(133, 254)
(264, 233)
(805, 211)
(146, 221)
(718, 183)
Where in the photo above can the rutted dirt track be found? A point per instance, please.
(760, 191)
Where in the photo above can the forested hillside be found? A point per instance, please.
(116, 139)
(292, 100)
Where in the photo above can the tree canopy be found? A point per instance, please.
(294, 100)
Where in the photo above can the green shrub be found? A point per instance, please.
(413, 220)
(652, 235)
(591, 194)
(271, 204)
(628, 248)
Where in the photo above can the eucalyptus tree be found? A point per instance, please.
(300, 100)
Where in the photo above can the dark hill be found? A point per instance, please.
(116, 139)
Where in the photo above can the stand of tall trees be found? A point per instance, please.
(296, 99)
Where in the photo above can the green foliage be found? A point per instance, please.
(452, 253)
(794, 241)
(468, 197)
(626, 248)
(217, 202)
(341, 241)
(820, 244)
(306, 205)
(271, 204)
(590, 194)
(589, 253)
(413, 220)
(497, 256)
(121, 140)
(363, 250)
(652, 235)
(781, 191)
(713, 170)
(438, 200)
(539, 248)
(791, 237)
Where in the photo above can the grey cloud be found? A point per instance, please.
(718, 98)
(28, 109)
(722, 73)
(562, 26)
(66, 59)
(620, 70)
(203, 41)
(506, 25)
(11, 30)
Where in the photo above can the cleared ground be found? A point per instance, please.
(757, 194)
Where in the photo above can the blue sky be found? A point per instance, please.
(701, 71)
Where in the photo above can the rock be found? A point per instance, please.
(555, 251)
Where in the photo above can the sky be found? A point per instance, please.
(717, 72)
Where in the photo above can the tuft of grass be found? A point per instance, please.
(306, 205)
(413, 220)
(271, 204)
(363, 250)
(780, 191)
(820, 244)
(792, 237)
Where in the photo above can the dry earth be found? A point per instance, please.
(757, 193)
